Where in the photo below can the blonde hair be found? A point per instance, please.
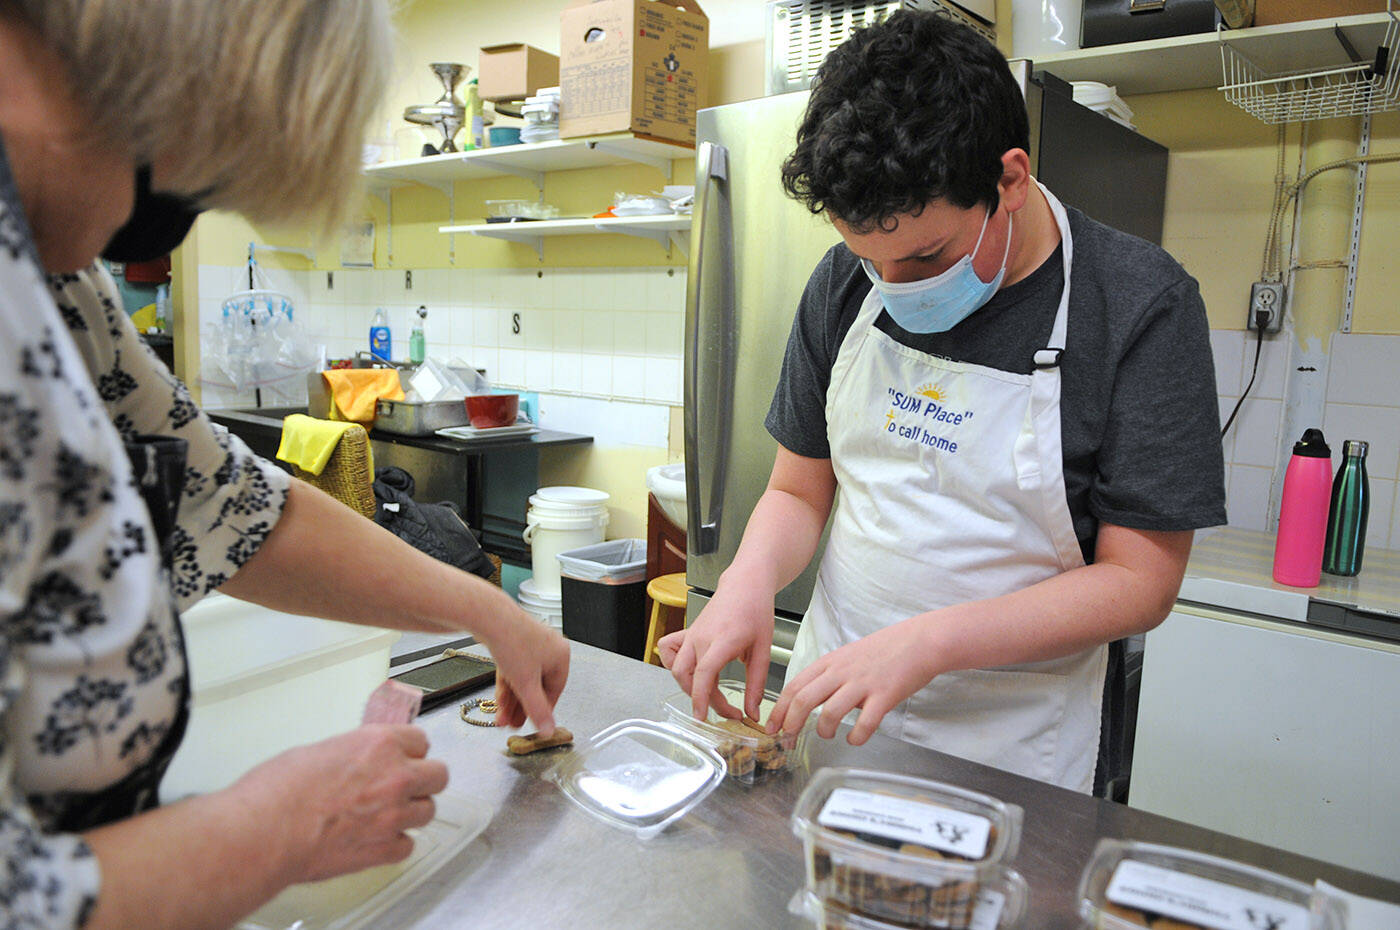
(257, 106)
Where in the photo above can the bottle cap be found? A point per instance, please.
(1312, 445)
(1356, 447)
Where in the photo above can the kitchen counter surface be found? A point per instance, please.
(733, 861)
(1232, 567)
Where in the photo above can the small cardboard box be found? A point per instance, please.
(514, 71)
(1274, 12)
(632, 65)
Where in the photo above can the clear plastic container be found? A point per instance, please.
(1129, 885)
(358, 899)
(617, 561)
(750, 755)
(1000, 905)
(901, 849)
(638, 775)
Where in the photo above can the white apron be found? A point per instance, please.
(952, 489)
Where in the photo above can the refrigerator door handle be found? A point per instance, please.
(709, 343)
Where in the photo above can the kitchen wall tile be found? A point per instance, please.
(603, 291)
(1227, 445)
(486, 326)
(665, 335)
(1380, 426)
(663, 380)
(568, 371)
(568, 331)
(629, 377)
(629, 333)
(1378, 518)
(487, 357)
(1272, 377)
(511, 370)
(1256, 433)
(456, 324)
(325, 288)
(537, 328)
(568, 285)
(673, 290)
(1247, 497)
(595, 374)
(1227, 350)
(1362, 370)
(597, 332)
(539, 370)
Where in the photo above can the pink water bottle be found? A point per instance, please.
(1302, 515)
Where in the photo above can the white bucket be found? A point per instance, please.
(547, 610)
(560, 519)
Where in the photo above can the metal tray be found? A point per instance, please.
(404, 418)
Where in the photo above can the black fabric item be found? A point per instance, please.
(158, 223)
(437, 529)
(1109, 22)
(158, 465)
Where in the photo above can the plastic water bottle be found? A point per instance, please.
(417, 342)
(380, 343)
(1302, 518)
(1346, 519)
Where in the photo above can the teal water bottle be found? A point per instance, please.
(1346, 520)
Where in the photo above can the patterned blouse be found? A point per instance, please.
(91, 664)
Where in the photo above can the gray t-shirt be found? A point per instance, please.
(1140, 425)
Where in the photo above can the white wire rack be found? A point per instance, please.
(1352, 88)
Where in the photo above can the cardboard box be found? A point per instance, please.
(632, 65)
(1273, 12)
(514, 71)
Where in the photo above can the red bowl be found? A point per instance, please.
(491, 410)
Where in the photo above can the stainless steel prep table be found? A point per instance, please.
(733, 861)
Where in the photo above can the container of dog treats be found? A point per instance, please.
(901, 849)
(1001, 905)
(750, 754)
(1129, 885)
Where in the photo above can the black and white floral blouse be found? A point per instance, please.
(91, 666)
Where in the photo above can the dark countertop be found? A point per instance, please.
(733, 861)
(271, 418)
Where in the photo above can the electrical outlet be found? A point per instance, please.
(1266, 297)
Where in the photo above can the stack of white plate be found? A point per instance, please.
(1104, 99)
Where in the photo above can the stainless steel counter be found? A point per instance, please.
(733, 862)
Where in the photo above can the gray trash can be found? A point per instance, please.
(603, 591)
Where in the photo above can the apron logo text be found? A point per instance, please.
(925, 403)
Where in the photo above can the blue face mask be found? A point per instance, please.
(937, 304)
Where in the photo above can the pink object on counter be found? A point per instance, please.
(1302, 517)
(393, 702)
(487, 411)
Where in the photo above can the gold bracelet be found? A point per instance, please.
(487, 705)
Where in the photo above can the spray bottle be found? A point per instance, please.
(417, 343)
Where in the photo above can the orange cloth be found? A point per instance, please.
(355, 391)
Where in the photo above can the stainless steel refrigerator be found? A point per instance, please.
(751, 252)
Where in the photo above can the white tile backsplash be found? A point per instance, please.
(1256, 432)
(1363, 370)
(1247, 497)
(1379, 426)
(1227, 348)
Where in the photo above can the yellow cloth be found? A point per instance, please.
(355, 391)
(308, 442)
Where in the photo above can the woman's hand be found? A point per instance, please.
(875, 673)
(532, 664)
(343, 804)
(736, 624)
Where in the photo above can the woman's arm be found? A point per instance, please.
(323, 559)
(311, 813)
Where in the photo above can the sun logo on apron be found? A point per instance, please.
(931, 391)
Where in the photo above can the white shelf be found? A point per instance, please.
(1193, 62)
(531, 161)
(666, 230)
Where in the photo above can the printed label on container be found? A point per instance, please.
(986, 913)
(1201, 901)
(908, 821)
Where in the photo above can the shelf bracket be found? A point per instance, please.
(503, 165)
(621, 151)
(1358, 207)
(534, 242)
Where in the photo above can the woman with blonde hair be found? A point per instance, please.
(121, 504)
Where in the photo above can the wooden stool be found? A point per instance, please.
(667, 593)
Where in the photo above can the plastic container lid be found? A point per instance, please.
(1127, 880)
(358, 899)
(527, 589)
(903, 849)
(1000, 905)
(565, 494)
(617, 561)
(750, 756)
(638, 775)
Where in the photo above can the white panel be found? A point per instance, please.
(1272, 735)
(1362, 370)
(1380, 426)
(1256, 432)
(1247, 497)
(1227, 349)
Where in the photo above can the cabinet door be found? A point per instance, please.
(1276, 733)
